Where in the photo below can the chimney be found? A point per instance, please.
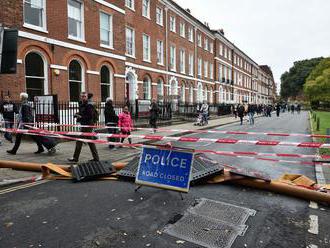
(188, 10)
(221, 32)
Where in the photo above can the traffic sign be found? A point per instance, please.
(167, 169)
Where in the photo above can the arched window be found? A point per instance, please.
(191, 94)
(174, 88)
(146, 88)
(35, 75)
(199, 92)
(106, 83)
(211, 96)
(183, 93)
(160, 89)
(75, 80)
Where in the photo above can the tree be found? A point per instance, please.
(317, 86)
(292, 81)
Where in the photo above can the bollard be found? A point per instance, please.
(318, 124)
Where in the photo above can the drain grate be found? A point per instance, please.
(212, 224)
(204, 231)
(91, 169)
(203, 167)
(222, 211)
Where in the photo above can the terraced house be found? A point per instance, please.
(134, 49)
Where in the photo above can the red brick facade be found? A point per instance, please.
(231, 75)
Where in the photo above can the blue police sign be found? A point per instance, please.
(166, 169)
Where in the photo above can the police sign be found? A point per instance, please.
(165, 169)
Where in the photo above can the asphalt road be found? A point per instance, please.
(111, 214)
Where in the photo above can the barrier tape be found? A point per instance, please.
(249, 155)
(191, 131)
(178, 139)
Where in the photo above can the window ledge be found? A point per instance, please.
(106, 46)
(161, 64)
(147, 17)
(130, 56)
(160, 24)
(147, 61)
(76, 39)
(131, 9)
(173, 70)
(36, 28)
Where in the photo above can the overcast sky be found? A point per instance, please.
(272, 32)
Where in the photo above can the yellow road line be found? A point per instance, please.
(24, 186)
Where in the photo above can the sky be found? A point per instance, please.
(272, 32)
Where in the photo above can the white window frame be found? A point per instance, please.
(206, 68)
(130, 7)
(146, 15)
(206, 44)
(211, 47)
(191, 34)
(160, 52)
(172, 58)
(133, 42)
(146, 56)
(159, 16)
(229, 54)
(82, 38)
(182, 61)
(182, 29)
(172, 24)
(199, 40)
(110, 31)
(199, 67)
(221, 49)
(211, 70)
(191, 64)
(42, 28)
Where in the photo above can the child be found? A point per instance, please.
(125, 124)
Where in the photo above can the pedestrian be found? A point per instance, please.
(125, 124)
(111, 120)
(251, 112)
(205, 112)
(240, 112)
(292, 109)
(298, 108)
(278, 109)
(269, 110)
(25, 117)
(87, 117)
(154, 112)
(8, 109)
(235, 110)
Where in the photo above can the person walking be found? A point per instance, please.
(292, 109)
(205, 112)
(251, 112)
(111, 120)
(154, 112)
(240, 112)
(86, 117)
(125, 124)
(8, 109)
(25, 117)
(278, 109)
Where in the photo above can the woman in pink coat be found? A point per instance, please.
(125, 124)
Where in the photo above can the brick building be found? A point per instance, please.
(134, 49)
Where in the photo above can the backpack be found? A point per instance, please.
(96, 114)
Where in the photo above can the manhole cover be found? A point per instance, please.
(222, 211)
(204, 231)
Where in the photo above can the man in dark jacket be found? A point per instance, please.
(154, 111)
(240, 112)
(25, 117)
(111, 120)
(85, 117)
(8, 109)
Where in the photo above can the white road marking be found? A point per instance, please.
(312, 246)
(313, 205)
(313, 224)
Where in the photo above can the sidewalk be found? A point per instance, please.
(65, 150)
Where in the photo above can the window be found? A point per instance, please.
(172, 24)
(34, 75)
(211, 70)
(35, 13)
(220, 73)
(229, 54)
(146, 47)
(160, 52)
(199, 71)
(206, 44)
(146, 8)
(160, 89)
(130, 42)
(199, 40)
(183, 93)
(182, 61)
(146, 88)
(191, 94)
(76, 19)
(159, 16)
(172, 58)
(129, 4)
(182, 29)
(106, 29)
(225, 52)
(221, 49)
(211, 47)
(191, 34)
(106, 80)
(75, 80)
(191, 64)
(206, 68)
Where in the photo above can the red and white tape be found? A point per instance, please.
(180, 139)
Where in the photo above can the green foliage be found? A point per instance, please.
(317, 86)
(292, 81)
